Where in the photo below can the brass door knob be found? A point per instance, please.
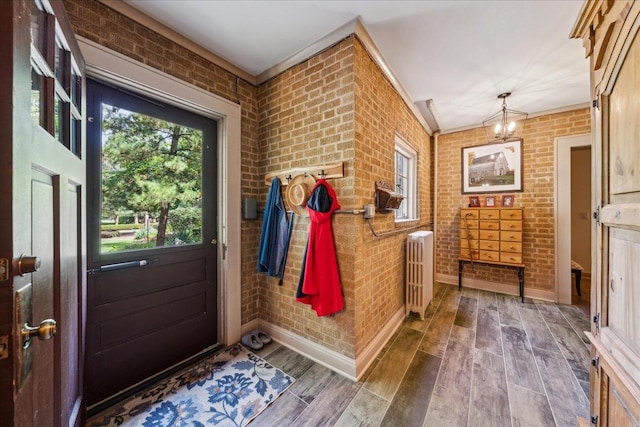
(45, 331)
(26, 264)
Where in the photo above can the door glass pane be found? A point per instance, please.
(36, 99)
(151, 182)
(58, 109)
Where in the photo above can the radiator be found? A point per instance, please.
(419, 280)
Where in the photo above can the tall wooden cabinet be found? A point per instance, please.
(610, 33)
(492, 236)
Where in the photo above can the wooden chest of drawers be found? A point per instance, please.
(492, 236)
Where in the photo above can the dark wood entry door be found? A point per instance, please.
(152, 282)
(41, 211)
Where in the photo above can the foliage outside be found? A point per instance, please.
(153, 168)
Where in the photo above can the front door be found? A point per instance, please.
(42, 239)
(151, 238)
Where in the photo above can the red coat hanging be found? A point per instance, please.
(319, 283)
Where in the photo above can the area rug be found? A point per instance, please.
(228, 389)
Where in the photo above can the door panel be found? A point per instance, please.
(150, 305)
(42, 133)
(42, 198)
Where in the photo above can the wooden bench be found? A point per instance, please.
(577, 270)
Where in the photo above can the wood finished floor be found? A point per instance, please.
(478, 359)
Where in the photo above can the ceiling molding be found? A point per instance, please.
(149, 22)
(375, 54)
(558, 110)
(306, 53)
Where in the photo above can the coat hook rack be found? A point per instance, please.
(317, 172)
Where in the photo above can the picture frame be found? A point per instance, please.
(492, 168)
(490, 201)
(474, 201)
(507, 201)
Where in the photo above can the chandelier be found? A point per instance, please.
(505, 125)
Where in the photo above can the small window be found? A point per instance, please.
(406, 180)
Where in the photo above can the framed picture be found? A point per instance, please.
(492, 168)
(507, 200)
(490, 201)
(474, 201)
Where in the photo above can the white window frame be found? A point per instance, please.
(408, 210)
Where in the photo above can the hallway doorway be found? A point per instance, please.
(581, 226)
(565, 282)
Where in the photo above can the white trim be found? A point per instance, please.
(562, 214)
(308, 52)
(502, 288)
(147, 21)
(337, 362)
(411, 154)
(106, 64)
(565, 109)
(371, 351)
(333, 360)
(376, 55)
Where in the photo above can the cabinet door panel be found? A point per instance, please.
(511, 225)
(511, 236)
(490, 225)
(490, 214)
(515, 247)
(511, 214)
(489, 235)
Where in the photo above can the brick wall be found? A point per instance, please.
(96, 22)
(306, 119)
(335, 107)
(537, 199)
(380, 114)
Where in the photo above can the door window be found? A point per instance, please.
(151, 182)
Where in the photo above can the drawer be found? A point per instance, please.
(511, 258)
(510, 213)
(489, 255)
(464, 243)
(490, 225)
(489, 245)
(472, 223)
(511, 247)
(464, 253)
(469, 213)
(471, 234)
(511, 236)
(490, 214)
(511, 225)
(489, 235)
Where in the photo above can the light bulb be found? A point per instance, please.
(511, 128)
(497, 130)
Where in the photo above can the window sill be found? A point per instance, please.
(406, 221)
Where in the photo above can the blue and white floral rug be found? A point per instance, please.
(228, 389)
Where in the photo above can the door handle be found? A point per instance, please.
(45, 331)
(25, 264)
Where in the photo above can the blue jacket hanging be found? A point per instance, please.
(273, 237)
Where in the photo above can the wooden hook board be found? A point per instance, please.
(324, 171)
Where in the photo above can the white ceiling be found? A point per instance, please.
(460, 54)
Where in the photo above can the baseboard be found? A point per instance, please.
(497, 287)
(333, 360)
(371, 351)
(250, 326)
(337, 362)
